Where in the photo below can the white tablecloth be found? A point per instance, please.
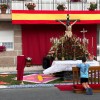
(58, 66)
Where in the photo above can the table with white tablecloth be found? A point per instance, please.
(59, 66)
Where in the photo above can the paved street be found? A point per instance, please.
(43, 93)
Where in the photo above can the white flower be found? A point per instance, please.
(28, 59)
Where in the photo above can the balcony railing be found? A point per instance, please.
(49, 4)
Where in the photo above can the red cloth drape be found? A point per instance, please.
(36, 39)
(20, 67)
(91, 32)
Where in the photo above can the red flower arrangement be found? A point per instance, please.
(2, 48)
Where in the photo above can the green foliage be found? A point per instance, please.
(10, 80)
(2, 6)
(93, 6)
(61, 7)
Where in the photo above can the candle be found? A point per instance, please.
(92, 41)
(54, 40)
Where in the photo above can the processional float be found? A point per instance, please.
(69, 46)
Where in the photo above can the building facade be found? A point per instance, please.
(11, 33)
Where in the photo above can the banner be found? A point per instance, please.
(51, 17)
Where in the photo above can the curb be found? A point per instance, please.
(30, 86)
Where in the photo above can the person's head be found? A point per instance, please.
(83, 59)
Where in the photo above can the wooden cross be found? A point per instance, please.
(67, 20)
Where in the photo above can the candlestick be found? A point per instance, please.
(92, 41)
(87, 41)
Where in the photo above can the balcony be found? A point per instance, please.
(52, 5)
(42, 5)
(49, 4)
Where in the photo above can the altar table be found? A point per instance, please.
(59, 66)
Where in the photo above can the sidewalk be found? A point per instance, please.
(26, 69)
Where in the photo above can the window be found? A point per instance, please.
(75, 0)
(7, 39)
(5, 1)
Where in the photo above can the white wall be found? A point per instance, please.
(48, 4)
(6, 35)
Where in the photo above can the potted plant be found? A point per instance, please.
(93, 6)
(61, 7)
(3, 8)
(30, 6)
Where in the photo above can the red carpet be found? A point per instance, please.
(64, 87)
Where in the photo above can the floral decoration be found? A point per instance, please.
(30, 6)
(93, 6)
(69, 49)
(2, 48)
(3, 6)
(61, 7)
(29, 59)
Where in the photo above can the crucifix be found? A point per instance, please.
(68, 26)
(85, 40)
(67, 21)
(83, 31)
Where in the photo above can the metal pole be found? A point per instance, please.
(82, 5)
(23, 4)
(38, 4)
(99, 4)
(68, 4)
(41, 4)
(53, 4)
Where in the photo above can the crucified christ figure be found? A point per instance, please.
(68, 31)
